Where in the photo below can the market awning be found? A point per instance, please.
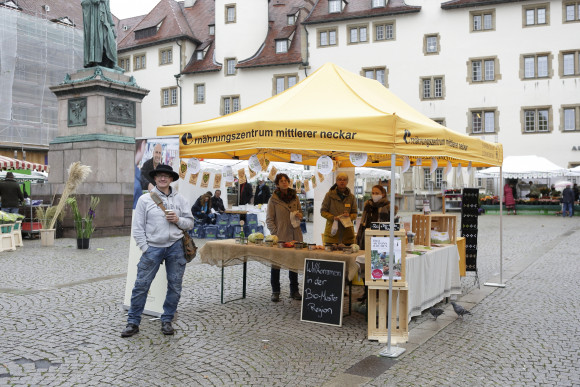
(332, 112)
(9, 163)
(524, 167)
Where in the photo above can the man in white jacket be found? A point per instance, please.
(158, 234)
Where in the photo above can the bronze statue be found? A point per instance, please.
(100, 36)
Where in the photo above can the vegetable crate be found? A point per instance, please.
(423, 224)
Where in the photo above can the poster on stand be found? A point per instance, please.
(149, 152)
(380, 258)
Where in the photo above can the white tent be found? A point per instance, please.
(524, 167)
(573, 171)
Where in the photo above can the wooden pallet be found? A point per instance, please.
(423, 224)
(377, 314)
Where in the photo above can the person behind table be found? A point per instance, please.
(339, 202)
(147, 183)
(202, 209)
(217, 203)
(158, 234)
(262, 193)
(568, 201)
(376, 209)
(10, 194)
(281, 205)
(510, 202)
(246, 193)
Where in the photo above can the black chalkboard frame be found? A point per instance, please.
(337, 292)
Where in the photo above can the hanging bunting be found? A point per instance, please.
(205, 180)
(273, 173)
(194, 165)
(320, 177)
(228, 173)
(357, 159)
(241, 175)
(324, 165)
(182, 169)
(297, 158)
(306, 186)
(193, 178)
(313, 180)
(406, 164)
(298, 186)
(469, 169)
(448, 168)
(419, 162)
(433, 166)
(458, 169)
(254, 164)
(217, 181)
(252, 174)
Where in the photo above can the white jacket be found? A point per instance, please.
(151, 228)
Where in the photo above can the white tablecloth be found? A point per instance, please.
(432, 277)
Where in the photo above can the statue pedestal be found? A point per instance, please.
(99, 116)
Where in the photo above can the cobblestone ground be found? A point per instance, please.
(61, 318)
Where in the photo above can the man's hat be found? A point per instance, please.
(9, 175)
(162, 168)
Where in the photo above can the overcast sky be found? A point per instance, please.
(124, 9)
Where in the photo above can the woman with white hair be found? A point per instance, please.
(339, 202)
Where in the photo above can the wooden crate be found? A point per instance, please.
(423, 224)
(461, 250)
(377, 303)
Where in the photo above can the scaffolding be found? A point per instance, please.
(35, 53)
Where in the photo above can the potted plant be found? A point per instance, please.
(83, 224)
(48, 216)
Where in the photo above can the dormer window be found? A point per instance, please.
(199, 55)
(291, 20)
(281, 46)
(10, 4)
(212, 29)
(335, 6)
(378, 3)
(147, 32)
(64, 21)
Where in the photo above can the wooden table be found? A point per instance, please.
(226, 252)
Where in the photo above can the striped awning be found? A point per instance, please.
(9, 163)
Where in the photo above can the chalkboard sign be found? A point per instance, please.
(323, 289)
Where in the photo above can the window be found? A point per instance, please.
(571, 11)
(230, 104)
(440, 121)
(230, 66)
(212, 29)
(384, 31)
(334, 6)
(482, 121)
(291, 19)
(139, 62)
(536, 66)
(537, 119)
(482, 20)
(435, 180)
(378, 3)
(125, 63)
(199, 91)
(169, 97)
(283, 82)
(536, 15)
(327, 37)
(432, 87)
(570, 121)
(569, 63)
(230, 13)
(357, 34)
(377, 73)
(165, 56)
(483, 70)
(199, 55)
(431, 44)
(147, 32)
(281, 46)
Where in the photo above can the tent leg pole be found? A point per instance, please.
(500, 284)
(392, 351)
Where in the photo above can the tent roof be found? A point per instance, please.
(9, 163)
(331, 112)
(525, 167)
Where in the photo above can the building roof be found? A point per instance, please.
(57, 11)
(204, 65)
(169, 18)
(125, 26)
(200, 17)
(357, 10)
(474, 3)
(278, 28)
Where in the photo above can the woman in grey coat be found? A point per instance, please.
(281, 205)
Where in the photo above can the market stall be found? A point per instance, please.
(350, 119)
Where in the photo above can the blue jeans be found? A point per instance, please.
(568, 207)
(10, 210)
(147, 269)
(275, 280)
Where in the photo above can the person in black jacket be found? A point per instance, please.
(262, 193)
(246, 193)
(217, 203)
(11, 194)
(568, 201)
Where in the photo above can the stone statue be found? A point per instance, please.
(100, 36)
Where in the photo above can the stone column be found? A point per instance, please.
(99, 116)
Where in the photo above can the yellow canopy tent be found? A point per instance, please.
(332, 112)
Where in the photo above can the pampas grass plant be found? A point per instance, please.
(77, 173)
